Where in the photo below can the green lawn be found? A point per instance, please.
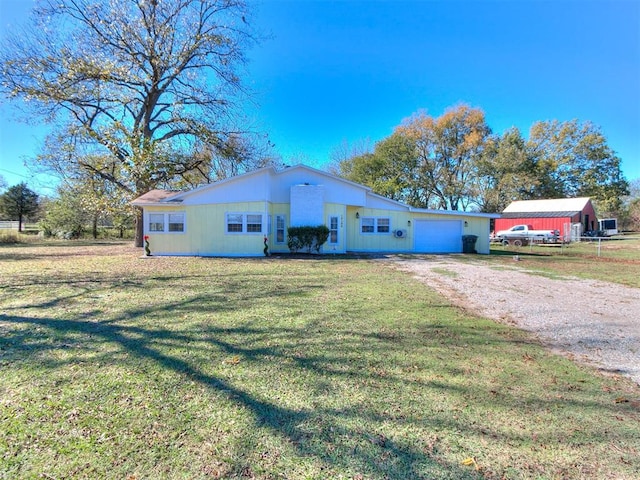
(115, 366)
(614, 260)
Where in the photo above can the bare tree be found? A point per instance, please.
(147, 85)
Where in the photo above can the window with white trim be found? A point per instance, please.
(382, 225)
(235, 223)
(254, 223)
(176, 222)
(280, 228)
(171, 222)
(244, 223)
(375, 225)
(156, 222)
(367, 225)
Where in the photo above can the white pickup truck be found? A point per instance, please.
(522, 234)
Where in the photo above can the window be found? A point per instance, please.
(368, 224)
(171, 222)
(176, 222)
(156, 222)
(280, 226)
(254, 223)
(375, 225)
(244, 223)
(383, 225)
(333, 230)
(234, 222)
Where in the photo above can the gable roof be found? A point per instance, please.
(564, 205)
(155, 196)
(539, 214)
(165, 197)
(274, 171)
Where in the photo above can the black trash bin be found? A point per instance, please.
(469, 243)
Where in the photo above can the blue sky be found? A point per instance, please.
(350, 70)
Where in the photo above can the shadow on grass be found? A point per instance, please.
(364, 449)
(350, 439)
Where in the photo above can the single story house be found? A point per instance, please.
(563, 214)
(233, 217)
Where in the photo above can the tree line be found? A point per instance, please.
(70, 215)
(455, 162)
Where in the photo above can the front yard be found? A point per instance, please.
(114, 366)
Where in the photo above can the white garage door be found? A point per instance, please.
(438, 236)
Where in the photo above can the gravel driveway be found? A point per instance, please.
(593, 322)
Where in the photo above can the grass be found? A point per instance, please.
(115, 366)
(619, 259)
(31, 234)
(13, 237)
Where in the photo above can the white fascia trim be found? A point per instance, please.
(455, 213)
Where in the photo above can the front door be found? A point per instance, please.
(336, 241)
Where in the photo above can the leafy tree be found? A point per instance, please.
(634, 215)
(389, 170)
(84, 203)
(506, 172)
(399, 181)
(427, 162)
(3, 184)
(629, 213)
(94, 198)
(453, 162)
(147, 86)
(18, 202)
(574, 160)
(449, 148)
(64, 216)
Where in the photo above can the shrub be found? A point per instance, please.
(69, 231)
(307, 237)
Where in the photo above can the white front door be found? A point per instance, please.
(336, 241)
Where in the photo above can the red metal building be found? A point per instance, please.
(562, 214)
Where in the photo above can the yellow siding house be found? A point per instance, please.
(236, 216)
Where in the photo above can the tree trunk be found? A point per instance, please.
(20, 223)
(139, 228)
(95, 227)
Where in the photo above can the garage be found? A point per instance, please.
(438, 236)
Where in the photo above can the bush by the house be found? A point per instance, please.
(307, 238)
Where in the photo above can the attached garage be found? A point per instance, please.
(240, 215)
(438, 236)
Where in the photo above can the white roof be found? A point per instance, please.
(366, 196)
(549, 205)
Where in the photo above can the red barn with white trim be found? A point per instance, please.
(551, 214)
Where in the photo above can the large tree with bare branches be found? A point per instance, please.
(142, 93)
